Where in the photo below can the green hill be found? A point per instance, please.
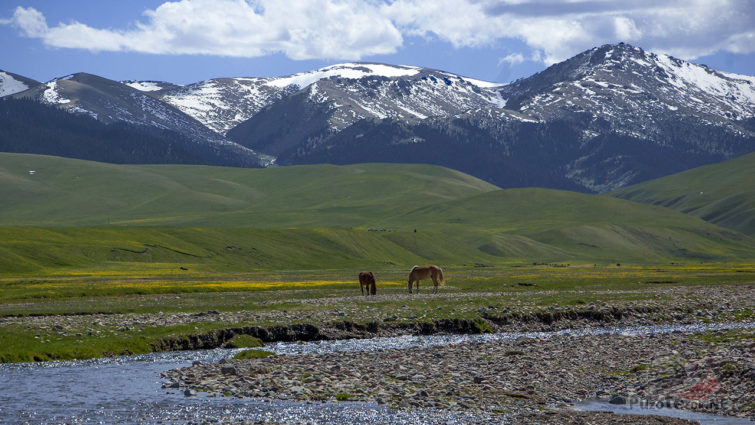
(69, 192)
(560, 225)
(321, 217)
(723, 193)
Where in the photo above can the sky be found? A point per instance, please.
(185, 41)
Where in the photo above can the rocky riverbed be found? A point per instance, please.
(533, 380)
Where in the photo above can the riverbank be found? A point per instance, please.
(70, 336)
(530, 379)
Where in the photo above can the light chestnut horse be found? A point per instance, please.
(423, 272)
(367, 279)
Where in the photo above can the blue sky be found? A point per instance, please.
(192, 40)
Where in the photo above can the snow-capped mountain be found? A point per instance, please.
(610, 116)
(660, 101)
(109, 101)
(11, 83)
(634, 91)
(341, 95)
(223, 103)
(613, 116)
(404, 93)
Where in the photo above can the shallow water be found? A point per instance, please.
(127, 390)
(626, 409)
(412, 341)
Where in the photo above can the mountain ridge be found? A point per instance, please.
(610, 116)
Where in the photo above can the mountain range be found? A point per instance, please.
(609, 117)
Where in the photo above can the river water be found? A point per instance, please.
(627, 409)
(127, 390)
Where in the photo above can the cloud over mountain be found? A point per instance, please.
(355, 29)
(303, 30)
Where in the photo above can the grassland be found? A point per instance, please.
(723, 193)
(321, 217)
(82, 316)
(69, 192)
(101, 259)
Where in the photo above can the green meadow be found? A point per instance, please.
(85, 238)
(68, 316)
(72, 214)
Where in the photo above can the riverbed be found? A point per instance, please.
(125, 390)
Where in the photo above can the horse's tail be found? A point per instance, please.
(440, 276)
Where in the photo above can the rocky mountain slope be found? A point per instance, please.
(356, 92)
(609, 117)
(111, 102)
(219, 104)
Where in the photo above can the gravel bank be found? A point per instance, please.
(521, 378)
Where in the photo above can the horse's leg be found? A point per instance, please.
(435, 284)
(361, 286)
(410, 285)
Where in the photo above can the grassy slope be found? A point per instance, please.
(317, 217)
(71, 192)
(560, 224)
(29, 249)
(723, 193)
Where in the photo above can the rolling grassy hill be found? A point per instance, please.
(321, 217)
(69, 192)
(723, 193)
(553, 223)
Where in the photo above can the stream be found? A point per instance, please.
(127, 390)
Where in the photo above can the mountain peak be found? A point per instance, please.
(622, 77)
(349, 70)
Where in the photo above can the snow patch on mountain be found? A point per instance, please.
(144, 85)
(351, 71)
(686, 75)
(9, 85)
(221, 104)
(483, 84)
(51, 95)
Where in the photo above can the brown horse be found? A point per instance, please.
(367, 279)
(423, 272)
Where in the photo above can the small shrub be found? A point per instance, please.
(481, 326)
(253, 354)
(343, 396)
(243, 341)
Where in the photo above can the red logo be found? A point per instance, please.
(701, 390)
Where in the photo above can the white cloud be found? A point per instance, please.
(29, 21)
(322, 29)
(512, 59)
(354, 29)
(560, 29)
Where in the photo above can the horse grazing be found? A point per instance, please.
(367, 279)
(423, 272)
